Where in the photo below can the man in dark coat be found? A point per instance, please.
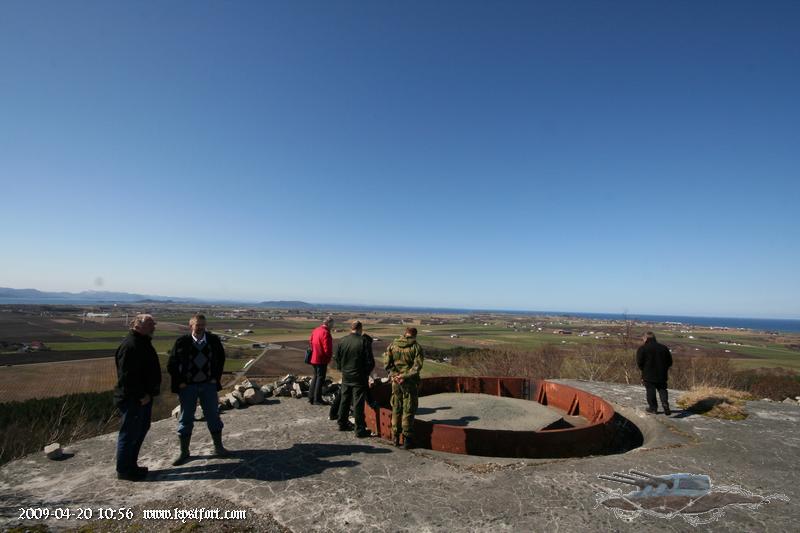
(654, 360)
(352, 360)
(138, 381)
(195, 367)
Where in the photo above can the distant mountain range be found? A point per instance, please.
(35, 296)
(88, 296)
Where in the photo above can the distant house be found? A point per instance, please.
(454, 336)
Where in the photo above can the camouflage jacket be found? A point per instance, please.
(404, 356)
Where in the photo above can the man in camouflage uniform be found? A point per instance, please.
(403, 360)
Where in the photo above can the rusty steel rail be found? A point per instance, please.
(592, 439)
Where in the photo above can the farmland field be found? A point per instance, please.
(64, 336)
(18, 383)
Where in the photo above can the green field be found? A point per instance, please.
(432, 369)
(159, 345)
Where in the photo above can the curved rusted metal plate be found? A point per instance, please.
(592, 439)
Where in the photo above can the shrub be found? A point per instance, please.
(31, 425)
(545, 362)
(776, 387)
(690, 372)
(598, 363)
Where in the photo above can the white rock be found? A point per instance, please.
(253, 396)
(766, 399)
(53, 451)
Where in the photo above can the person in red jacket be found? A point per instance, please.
(321, 343)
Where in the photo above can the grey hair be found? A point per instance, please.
(140, 319)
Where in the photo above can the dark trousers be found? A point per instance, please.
(209, 403)
(315, 389)
(651, 388)
(353, 395)
(135, 425)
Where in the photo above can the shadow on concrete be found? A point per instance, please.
(430, 410)
(463, 421)
(299, 461)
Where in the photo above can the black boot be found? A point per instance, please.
(408, 442)
(396, 439)
(184, 456)
(219, 449)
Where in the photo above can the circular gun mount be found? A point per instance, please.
(603, 432)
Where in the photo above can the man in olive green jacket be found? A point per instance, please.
(352, 360)
(403, 360)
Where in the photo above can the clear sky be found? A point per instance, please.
(574, 156)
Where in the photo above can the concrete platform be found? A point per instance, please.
(484, 411)
(293, 470)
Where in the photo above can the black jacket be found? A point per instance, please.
(352, 359)
(654, 360)
(138, 369)
(182, 355)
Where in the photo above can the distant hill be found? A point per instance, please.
(287, 304)
(88, 296)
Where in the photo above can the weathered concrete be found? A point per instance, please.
(484, 411)
(291, 462)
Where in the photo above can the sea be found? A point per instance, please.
(758, 324)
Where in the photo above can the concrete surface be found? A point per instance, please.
(293, 467)
(484, 411)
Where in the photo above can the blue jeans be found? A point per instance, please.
(209, 402)
(135, 424)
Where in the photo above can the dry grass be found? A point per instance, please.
(716, 402)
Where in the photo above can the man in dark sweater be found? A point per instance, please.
(195, 367)
(352, 358)
(654, 360)
(138, 381)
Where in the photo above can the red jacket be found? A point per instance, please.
(321, 343)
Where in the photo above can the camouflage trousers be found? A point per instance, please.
(404, 407)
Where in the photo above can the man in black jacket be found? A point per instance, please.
(138, 381)
(195, 367)
(352, 358)
(654, 360)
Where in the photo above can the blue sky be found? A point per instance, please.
(574, 156)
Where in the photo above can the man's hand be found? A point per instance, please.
(146, 399)
(213, 381)
(182, 386)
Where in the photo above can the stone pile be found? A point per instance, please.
(791, 401)
(249, 393)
